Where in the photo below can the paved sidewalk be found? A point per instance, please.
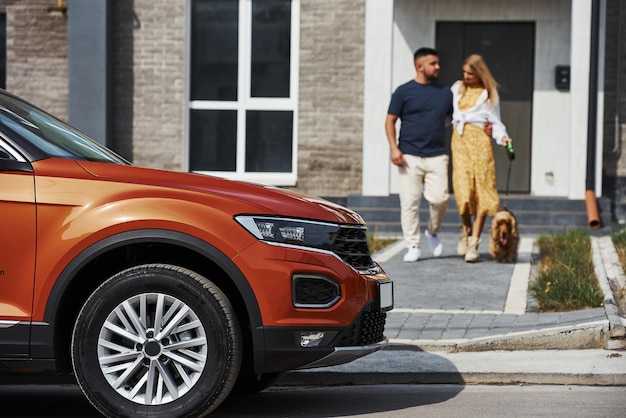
(458, 322)
(444, 302)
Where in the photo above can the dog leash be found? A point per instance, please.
(511, 154)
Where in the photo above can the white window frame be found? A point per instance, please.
(245, 102)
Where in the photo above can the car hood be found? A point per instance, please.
(269, 200)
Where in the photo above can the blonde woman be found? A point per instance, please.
(475, 103)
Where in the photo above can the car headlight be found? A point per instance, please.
(291, 231)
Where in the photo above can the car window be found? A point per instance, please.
(54, 137)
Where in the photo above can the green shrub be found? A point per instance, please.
(566, 279)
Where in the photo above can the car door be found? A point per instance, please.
(18, 224)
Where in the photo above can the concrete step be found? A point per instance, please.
(535, 215)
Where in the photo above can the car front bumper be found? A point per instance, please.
(289, 348)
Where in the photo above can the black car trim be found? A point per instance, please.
(42, 344)
(28, 150)
(283, 354)
(14, 339)
(341, 355)
(13, 165)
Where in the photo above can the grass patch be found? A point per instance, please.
(619, 241)
(566, 280)
(377, 244)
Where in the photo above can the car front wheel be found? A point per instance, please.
(156, 340)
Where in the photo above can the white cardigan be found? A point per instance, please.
(483, 111)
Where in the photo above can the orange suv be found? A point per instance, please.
(164, 292)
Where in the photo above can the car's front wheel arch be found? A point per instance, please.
(126, 250)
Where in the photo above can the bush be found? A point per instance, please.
(566, 279)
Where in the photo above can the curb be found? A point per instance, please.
(447, 378)
(596, 367)
(612, 283)
(581, 336)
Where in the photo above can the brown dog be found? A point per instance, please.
(504, 237)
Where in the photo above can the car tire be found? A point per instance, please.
(156, 340)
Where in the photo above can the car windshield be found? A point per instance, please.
(49, 134)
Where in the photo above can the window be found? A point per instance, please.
(243, 74)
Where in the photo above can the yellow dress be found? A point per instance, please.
(473, 166)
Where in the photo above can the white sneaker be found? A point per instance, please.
(413, 254)
(436, 247)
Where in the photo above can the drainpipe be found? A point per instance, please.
(593, 217)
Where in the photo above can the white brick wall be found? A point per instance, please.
(158, 83)
(37, 54)
(331, 96)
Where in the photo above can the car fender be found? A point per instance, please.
(67, 231)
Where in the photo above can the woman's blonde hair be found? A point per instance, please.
(480, 69)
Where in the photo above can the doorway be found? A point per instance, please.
(509, 50)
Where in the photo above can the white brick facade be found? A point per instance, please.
(331, 97)
(158, 57)
(37, 54)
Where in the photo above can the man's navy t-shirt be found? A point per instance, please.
(422, 109)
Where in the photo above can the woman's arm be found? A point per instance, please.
(499, 132)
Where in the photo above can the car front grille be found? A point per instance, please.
(368, 328)
(351, 246)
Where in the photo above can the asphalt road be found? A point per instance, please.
(381, 401)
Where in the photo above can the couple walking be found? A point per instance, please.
(424, 105)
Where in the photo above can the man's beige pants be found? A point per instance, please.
(427, 175)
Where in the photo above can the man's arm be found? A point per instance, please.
(390, 129)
